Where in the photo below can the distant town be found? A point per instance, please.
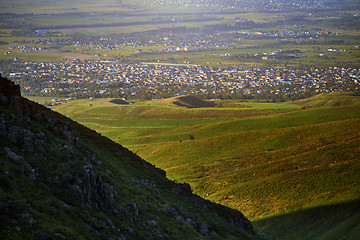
(223, 54)
(174, 39)
(249, 4)
(105, 78)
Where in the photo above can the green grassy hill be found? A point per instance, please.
(329, 100)
(263, 159)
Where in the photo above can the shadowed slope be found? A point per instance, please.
(192, 102)
(340, 221)
(61, 180)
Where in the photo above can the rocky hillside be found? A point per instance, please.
(60, 180)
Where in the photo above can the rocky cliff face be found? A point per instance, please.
(60, 180)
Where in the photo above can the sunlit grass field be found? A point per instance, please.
(262, 159)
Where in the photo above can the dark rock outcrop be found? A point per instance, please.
(94, 192)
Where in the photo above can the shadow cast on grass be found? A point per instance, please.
(339, 221)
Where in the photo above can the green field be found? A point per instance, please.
(262, 159)
(211, 57)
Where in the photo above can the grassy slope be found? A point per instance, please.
(260, 161)
(50, 199)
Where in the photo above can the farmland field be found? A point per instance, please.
(328, 29)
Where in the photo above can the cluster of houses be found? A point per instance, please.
(113, 79)
(249, 4)
(25, 48)
(179, 41)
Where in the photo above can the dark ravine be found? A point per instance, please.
(61, 180)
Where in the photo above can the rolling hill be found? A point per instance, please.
(61, 180)
(263, 159)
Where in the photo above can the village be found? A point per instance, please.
(229, 5)
(123, 77)
(105, 78)
(171, 40)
